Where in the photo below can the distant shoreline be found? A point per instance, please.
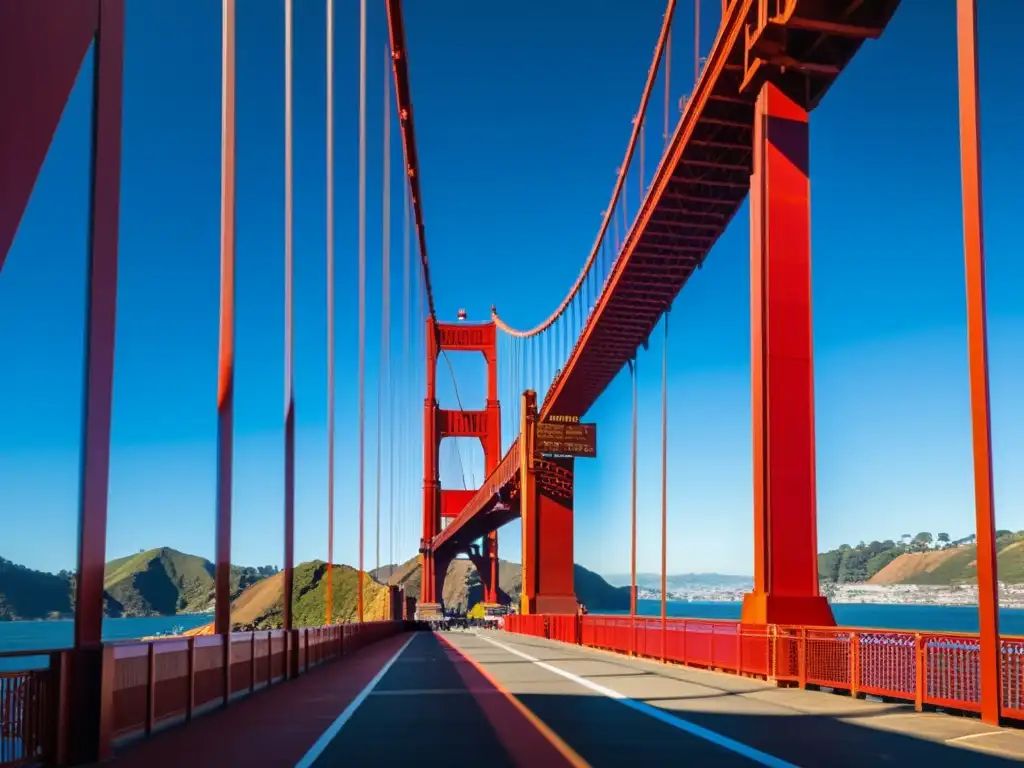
(862, 593)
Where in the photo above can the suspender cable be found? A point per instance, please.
(696, 41)
(632, 536)
(226, 361)
(408, 364)
(330, 312)
(362, 298)
(385, 338)
(385, 309)
(668, 80)
(609, 212)
(664, 488)
(289, 374)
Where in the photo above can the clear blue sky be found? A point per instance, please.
(522, 119)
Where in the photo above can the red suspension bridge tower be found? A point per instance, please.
(439, 423)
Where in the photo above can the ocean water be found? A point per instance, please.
(925, 618)
(48, 635)
(44, 635)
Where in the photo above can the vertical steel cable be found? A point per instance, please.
(640, 199)
(664, 488)
(410, 367)
(632, 537)
(289, 341)
(384, 376)
(387, 293)
(330, 312)
(668, 80)
(226, 356)
(696, 42)
(362, 299)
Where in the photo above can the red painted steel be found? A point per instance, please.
(226, 352)
(86, 716)
(362, 298)
(700, 183)
(782, 369)
(329, 215)
(289, 335)
(440, 423)
(150, 684)
(28, 709)
(928, 669)
(45, 41)
(977, 347)
(403, 98)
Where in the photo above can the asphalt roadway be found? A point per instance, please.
(497, 699)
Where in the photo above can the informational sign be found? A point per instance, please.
(565, 436)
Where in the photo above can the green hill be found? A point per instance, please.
(916, 561)
(261, 606)
(463, 590)
(163, 582)
(29, 594)
(157, 582)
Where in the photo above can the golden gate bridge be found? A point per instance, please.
(742, 135)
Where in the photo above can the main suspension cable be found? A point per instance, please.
(403, 98)
(616, 192)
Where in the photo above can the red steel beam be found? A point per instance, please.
(45, 42)
(977, 351)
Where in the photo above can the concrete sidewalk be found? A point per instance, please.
(666, 712)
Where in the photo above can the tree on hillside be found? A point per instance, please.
(943, 539)
(922, 541)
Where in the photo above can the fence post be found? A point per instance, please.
(150, 687)
(190, 701)
(854, 664)
(920, 685)
(252, 661)
(801, 658)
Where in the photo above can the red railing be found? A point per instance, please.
(27, 706)
(939, 669)
(162, 681)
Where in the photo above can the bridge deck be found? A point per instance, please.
(495, 699)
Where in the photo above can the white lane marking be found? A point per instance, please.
(763, 758)
(328, 736)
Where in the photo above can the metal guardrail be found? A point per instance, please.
(937, 669)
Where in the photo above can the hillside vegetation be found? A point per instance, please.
(912, 561)
(157, 582)
(463, 590)
(29, 594)
(163, 582)
(261, 606)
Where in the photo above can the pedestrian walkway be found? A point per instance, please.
(497, 699)
(619, 711)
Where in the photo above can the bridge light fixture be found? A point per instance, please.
(462, 314)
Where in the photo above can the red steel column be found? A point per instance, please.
(547, 523)
(90, 712)
(785, 507)
(492, 457)
(431, 481)
(226, 353)
(977, 350)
